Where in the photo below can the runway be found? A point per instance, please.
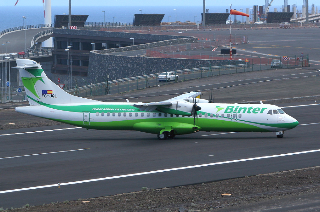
(90, 163)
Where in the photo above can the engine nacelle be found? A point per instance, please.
(178, 108)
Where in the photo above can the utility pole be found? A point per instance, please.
(69, 23)
(307, 11)
(204, 13)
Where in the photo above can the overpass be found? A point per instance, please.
(314, 17)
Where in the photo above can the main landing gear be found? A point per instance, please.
(280, 134)
(165, 135)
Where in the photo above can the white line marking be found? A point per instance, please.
(40, 131)
(160, 171)
(45, 153)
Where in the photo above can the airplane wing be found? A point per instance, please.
(185, 96)
(178, 105)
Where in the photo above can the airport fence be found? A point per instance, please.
(128, 84)
(146, 81)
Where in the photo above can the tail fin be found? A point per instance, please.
(40, 89)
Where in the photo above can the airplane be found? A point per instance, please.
(184, 114)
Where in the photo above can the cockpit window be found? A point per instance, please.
(281, 111)
(270, 112)
(275, 112)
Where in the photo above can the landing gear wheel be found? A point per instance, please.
(280, 134)
(171, 134)
(163, 136)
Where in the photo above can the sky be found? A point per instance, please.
(235, 3)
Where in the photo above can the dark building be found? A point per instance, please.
(147, 19)
(278, 17)
(61, 21)
(215, 18)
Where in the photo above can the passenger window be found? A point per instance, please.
(148, 114)
(102, 114)
(171, 115)
(239, 116)
(217, 115)
(124, 114)
(154, 114)
(108, 114)
(97, 113)
(165, 115)
(222, 115)
(136, 114)
(119, 114)
(211, 115)
(234, 116)
(113, 114)
(275, 112)
(200, 114)
(142, 114)
(228, 115)
(177, 115)
(270, 112)
(130, 114)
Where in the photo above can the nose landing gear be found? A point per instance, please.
(280, 134)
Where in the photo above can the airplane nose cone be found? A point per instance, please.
(294, 123)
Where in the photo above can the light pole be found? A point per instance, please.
(104, 17)
(132, 41)
(68, 63)
(175, 12)
(140, 11)
(25, 36)
(194, 19)
(6, 78)
(241, 16)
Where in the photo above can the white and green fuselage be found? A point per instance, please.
(175, 116)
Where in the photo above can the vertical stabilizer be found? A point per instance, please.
(40, 89)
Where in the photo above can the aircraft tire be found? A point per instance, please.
(171, 134)
(280, 136)
(163, 136)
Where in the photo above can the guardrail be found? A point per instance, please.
(6, 31)
(40, 35)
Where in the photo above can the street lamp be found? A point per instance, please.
(104, 17)
(132, 41)
(25, 35)
(6, 77)
(175, 10)
(68, 50)
(140, 11)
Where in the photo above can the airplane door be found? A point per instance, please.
(86, 118)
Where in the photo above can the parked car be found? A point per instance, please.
(276, 63)
(285, 25)
(168, 76)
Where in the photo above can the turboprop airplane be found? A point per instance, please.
(176, 116)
